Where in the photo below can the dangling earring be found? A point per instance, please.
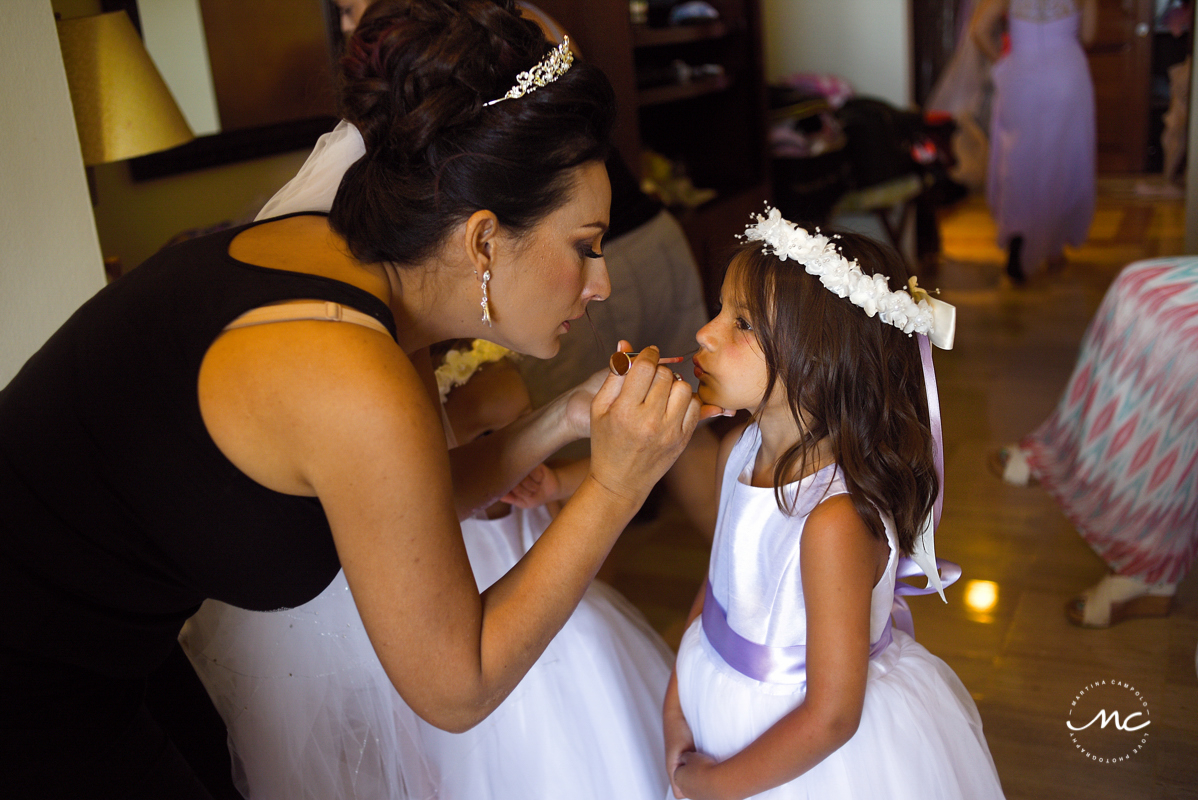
(486, 303)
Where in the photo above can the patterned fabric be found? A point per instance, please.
(1120, 452)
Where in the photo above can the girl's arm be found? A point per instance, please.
(549, 482)
(840, 561)
(985, 27)
(487, 468)
(678, 736)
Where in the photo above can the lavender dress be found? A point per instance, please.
(1040, 183)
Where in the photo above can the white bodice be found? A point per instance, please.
(755, 569)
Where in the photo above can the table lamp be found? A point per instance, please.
(123, 108)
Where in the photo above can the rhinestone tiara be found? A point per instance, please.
(555, 64)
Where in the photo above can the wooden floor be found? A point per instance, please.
(1022, 661)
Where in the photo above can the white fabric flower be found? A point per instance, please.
(459, 365)
(842, 277)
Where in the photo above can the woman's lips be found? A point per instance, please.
(698, 370)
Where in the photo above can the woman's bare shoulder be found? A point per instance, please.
(283, 401)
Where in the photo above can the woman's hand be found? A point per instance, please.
(578, 403)
(640, 422)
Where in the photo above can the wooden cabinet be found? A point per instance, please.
(695, 94)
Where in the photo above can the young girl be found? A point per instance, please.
(793, 683)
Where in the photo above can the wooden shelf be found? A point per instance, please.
(682, 91)
(644, 36)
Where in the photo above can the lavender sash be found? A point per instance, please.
(788, 665)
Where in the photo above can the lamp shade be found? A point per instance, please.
(123, 109)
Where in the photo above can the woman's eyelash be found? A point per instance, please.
(589, 252)
(743, 324)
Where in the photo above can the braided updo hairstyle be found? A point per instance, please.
(414, 80)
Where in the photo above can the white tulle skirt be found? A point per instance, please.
(311, 713)
(920, 736)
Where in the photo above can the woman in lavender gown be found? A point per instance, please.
(1040, 182)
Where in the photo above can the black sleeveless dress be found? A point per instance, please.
(118, 513)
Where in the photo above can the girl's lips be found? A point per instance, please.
(698, 371)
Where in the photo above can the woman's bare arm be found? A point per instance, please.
(351, 423)
(1089, 22)
(986, 27)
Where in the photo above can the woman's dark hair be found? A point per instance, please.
(414, 80)
(849, 378)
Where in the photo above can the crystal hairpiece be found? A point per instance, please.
(913, 312)
(555, 64)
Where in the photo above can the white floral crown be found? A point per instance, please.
(458, 365)
(910, 312)
(555, 64)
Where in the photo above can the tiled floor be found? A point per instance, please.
(1021, 660)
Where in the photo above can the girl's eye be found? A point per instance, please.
(586, 251)
(743, 324)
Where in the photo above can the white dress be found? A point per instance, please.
(920, 735)
(311, 714)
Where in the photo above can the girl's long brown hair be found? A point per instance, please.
(851, 379)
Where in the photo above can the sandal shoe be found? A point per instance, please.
(1117, 598)
(1010, 465)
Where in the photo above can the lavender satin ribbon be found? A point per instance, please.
(929, 382)
(788, 665)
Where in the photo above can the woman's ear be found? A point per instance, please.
(481, 237)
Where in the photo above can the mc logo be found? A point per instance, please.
(1127, 719)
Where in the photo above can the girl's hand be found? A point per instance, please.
(695, 777)
(541, 486)
(679, 741)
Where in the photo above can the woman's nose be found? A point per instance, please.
(703, 336)
(598, 285)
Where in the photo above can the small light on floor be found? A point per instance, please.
(981, 596)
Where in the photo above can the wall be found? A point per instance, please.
(867, 42)
(49, 252)
(134, 219)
